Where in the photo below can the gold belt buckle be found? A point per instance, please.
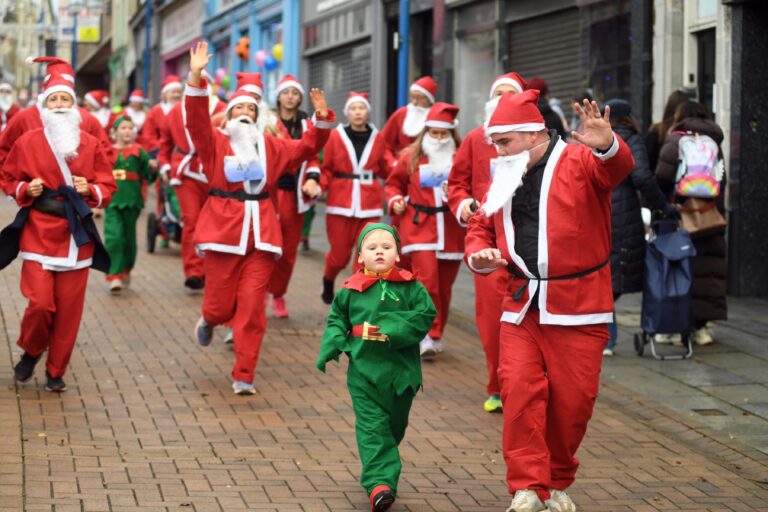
(368, 335)
(119, 174)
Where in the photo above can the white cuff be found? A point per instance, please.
(611, 151)
(461, 209)
(165, 168)
(478, 270)
(389, 203)
(321, 123)
(98, 193)
(175, 182)
(191, 90)
(18, 187)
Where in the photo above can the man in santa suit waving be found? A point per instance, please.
(238, 227)
(178, 157)
(467, 184)
(546, 221)
(56, 173)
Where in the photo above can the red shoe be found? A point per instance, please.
(382, 498)
(279, 308)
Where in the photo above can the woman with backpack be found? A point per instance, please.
(692, 122)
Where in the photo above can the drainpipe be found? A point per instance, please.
(147, 52)
(402, 57)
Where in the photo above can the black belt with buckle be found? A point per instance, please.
(238, 195)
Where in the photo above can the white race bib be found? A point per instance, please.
(430, 177)
(237, 172)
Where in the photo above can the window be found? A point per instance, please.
(271, 34)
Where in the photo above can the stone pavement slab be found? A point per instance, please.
(150, 422)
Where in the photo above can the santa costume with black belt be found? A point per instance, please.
(468, 183)
(8, 108)
(178, 157)
(353, 165)
(546, 221)
(152, 132)
(295, 194)
(430, 235)
(136, 110)
(56, 173)
(238, 228)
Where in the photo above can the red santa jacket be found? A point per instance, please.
(432, 232)
(177, 152)
(363, 195)
(471, 172)
(574, 236)
(6, 115)
(152, 131)
(29, 119)
(308, 167)
(46, 238)
(394, 138)
(225, 224)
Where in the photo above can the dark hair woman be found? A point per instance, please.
(658, 131)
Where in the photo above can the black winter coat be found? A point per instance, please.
(627, 229)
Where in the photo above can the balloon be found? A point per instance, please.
(221, 72)
(277, 52)
(217, 80)
(270, 64)
(117, 109)
(222, 94)
(226, 82)
(260, 57)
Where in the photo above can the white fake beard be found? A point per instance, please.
(439, 151)
(506, 180)
(243, 138)
(415, 117)
(103, 115)
(63, 125)
(137, 116)
(490, 106)
(6, 101)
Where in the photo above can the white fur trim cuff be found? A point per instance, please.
(418, 88)
(321, 123)
(506, 128)
(461, 209)
(505, 81)
(191, 90)
(97, 189)
(18, 188)
(389, 203)
(165, 168)
(611, 151)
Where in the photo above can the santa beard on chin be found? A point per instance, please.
(63, 126)
(506, 180)
(438, 151)
(6, 101)
(414, 120)
(243, 136)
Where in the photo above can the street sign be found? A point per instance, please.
(88, 27)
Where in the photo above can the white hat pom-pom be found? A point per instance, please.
(30, 60)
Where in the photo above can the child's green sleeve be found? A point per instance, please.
(336, 330)
(408, 326)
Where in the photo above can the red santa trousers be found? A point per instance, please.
(235, 289)
(437, 276)
(192, 195)
(549, 376)
(342, 236)
(489, 295)
(52, 317)
(291, 224)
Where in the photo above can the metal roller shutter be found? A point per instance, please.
(549, 47)
(340, 70)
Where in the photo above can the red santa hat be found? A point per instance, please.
(286, 82)
(512, 79)
(56, 83)
(426, 86)
(250, 82)
(98, 98)
(516, 113)
(442, 115)
(136, 96)
(240, 97)
(56, 66)
(5, 86)
(356, 97)
(171, 82)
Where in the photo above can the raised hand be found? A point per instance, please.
(597, 129)
(198, 59)
(318, 102)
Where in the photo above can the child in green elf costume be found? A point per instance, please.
(378, 318)
(131, 168)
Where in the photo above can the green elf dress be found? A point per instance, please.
(131, 169)
(383, 375)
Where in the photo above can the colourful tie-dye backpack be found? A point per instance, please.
(699, 169)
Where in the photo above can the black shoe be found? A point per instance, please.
(194, 283)
(382, 500)
(327, 294)
(54, 384)
(23, 371)
(305, 245)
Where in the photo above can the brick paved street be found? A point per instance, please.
(150, 422)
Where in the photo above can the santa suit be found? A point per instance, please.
(55, 269)
(139, 117)
(291, 205)
(242, 238)
(469, 180)
(152, 131)
(551, 348)
(29, 119)
(178, 156)
(394, 138)
(355, 194)
(430, 236)
(6, 115)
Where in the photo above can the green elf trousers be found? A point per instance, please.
(120, 238)
(309, 216)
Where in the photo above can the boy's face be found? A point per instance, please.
(379, 251)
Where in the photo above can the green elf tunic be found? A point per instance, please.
(131, 169)
(383, 376)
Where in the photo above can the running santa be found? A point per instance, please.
(8, 108)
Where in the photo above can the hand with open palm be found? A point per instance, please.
(318, 102)
(198, 59)
(598, 133)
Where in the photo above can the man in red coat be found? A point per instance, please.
(178, 157)
(97, 103)
(152, 131)
(55, 173)
(546, 220)
(467, 185)
(8, 107)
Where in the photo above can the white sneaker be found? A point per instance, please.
(559, 501)
(702, 336)
(526, 500)
(427, 348)
(667, 338)
(438, 345)
(607, 352)
(115, 286)
(243, 388)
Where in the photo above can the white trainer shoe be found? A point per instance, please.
(559, 501)
(526, 500)
(115, 286)
(438, 345)
(427, 348)
(702, 337)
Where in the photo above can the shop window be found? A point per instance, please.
(271, 34)
(706, 68)
(341, 70)
(337, 29)
(707, 8)
(609, 58)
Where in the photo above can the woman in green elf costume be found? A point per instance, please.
(378, 318)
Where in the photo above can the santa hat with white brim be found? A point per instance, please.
(516, 113)
(241, 97)
(512, 79)
(137, 96)
(442, 115)
(426, 86)
(289, 81)
(57, 83)
(356, 97)
(250, 82)
(54, 66)
(98, 98)
(171, 82)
